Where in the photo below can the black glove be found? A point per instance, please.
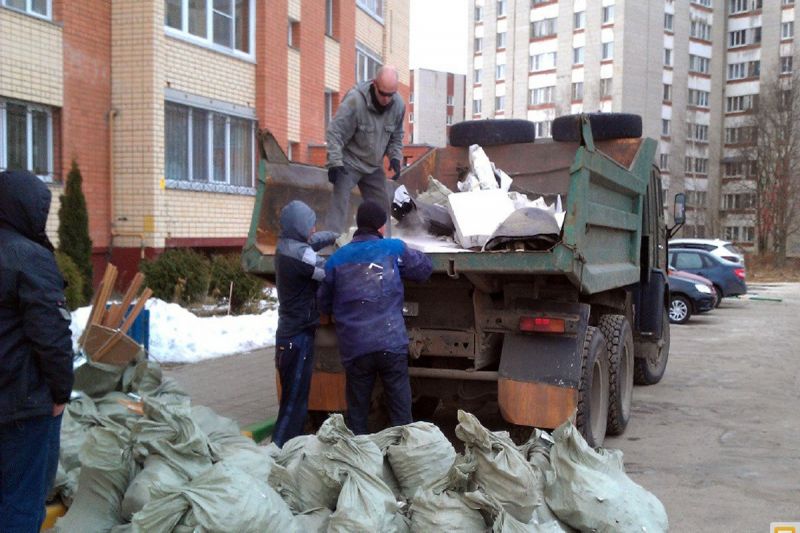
(334, 173)
(394, 164)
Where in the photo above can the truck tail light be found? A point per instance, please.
(542, 324)
(739, 273)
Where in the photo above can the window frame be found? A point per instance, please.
(370, 56)
(607, 51)
(608, 14)
(373, 8)
(30, 108)
(184, 34)
(29, 9)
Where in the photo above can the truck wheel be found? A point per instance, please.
(592, 415)
(424, 407)
(649, 369)
(680, 310)
(492, 132)
(619, 342)
(605, 126)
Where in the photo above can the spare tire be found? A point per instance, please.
(492, 132)
(605, 126)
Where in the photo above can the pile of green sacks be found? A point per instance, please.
(182, 468)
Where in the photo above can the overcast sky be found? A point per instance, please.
(438, 35)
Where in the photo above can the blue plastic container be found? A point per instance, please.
(140, 329)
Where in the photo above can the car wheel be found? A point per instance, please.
(650, 367)
(718, 290)
(619, 342)
(679, 309)
(592, 415)
(492, 132)
(605, 126)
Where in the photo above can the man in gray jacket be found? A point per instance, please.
(368, 126)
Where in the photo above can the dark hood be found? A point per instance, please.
(24, 204)
(296, 220)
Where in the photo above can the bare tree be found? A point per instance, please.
(774, 127)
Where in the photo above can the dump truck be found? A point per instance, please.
(548, 334)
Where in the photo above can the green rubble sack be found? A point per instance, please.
(97, 379)
(589, 489)
(156, 471)
(107, 468)
(504, 522)
(313, 520)
(221, 499)
(445, 511)
(501, 469)
(422, 458)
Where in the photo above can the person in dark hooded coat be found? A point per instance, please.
(35, 352)
(298, 271)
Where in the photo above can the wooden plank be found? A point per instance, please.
(133, 289)
(99, 300)
(146, 294)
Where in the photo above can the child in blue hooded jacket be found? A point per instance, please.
(298, 271)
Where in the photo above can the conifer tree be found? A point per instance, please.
(73, 228)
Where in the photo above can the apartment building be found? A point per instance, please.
(436, 101)
(159, 103)
(692, 69)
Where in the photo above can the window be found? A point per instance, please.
(476, 107)
(699, 64)
(546, 61)
(739, 71)
(219, 24)
(667, 92)
(667, 57)
(665, 127)
(608, 51)
(663, 162)
(739, 134)
(26, 138)
(668, 19)
(704, 3)
(411, 117)
(39, 8)
(476, 75)
(700, 30)
(478, 48)
(606, 87)
(696, 165)
(449, 120)
(294, 34)
(541, 95)
(738, 169)
(697, 132)
(367, 63)
(737, 38)
(698, 98)
(577, 55)
(207, 146)
(501, 39)
(500, 72)
(478, 13)
(373, 7)
(535, 3)
(787, 30)
(329, 17)
(738, 6)
(738, 201)
(786, 64)
(329, 100)
(499, 104)
(740, 233)
(608, 14)
(577, 90)
(787, 2)
(543, 28)
(579, 20)
(501, 8)
(543, 129)
(735, 104)
(696, 198)
(450, 99)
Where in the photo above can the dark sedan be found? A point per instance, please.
(687, 297)
(728, 277)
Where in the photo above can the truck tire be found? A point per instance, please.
(492, 132)
(619, 342)
(680, 309)
(649, 369)
(605, 126)
(592, 415)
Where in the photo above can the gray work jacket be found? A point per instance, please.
(359, 136)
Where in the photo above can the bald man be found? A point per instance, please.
(368, 126)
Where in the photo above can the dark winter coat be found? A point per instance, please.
(298, 268)
(35, 339)
(363, 287)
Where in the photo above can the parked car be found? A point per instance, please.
(688, 296)
(724, 249)
(694, 277)
(728, 277)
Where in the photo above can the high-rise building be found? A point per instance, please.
(692, 69)
(436, 101)
(159, 102)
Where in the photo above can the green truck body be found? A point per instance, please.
(547, 334)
